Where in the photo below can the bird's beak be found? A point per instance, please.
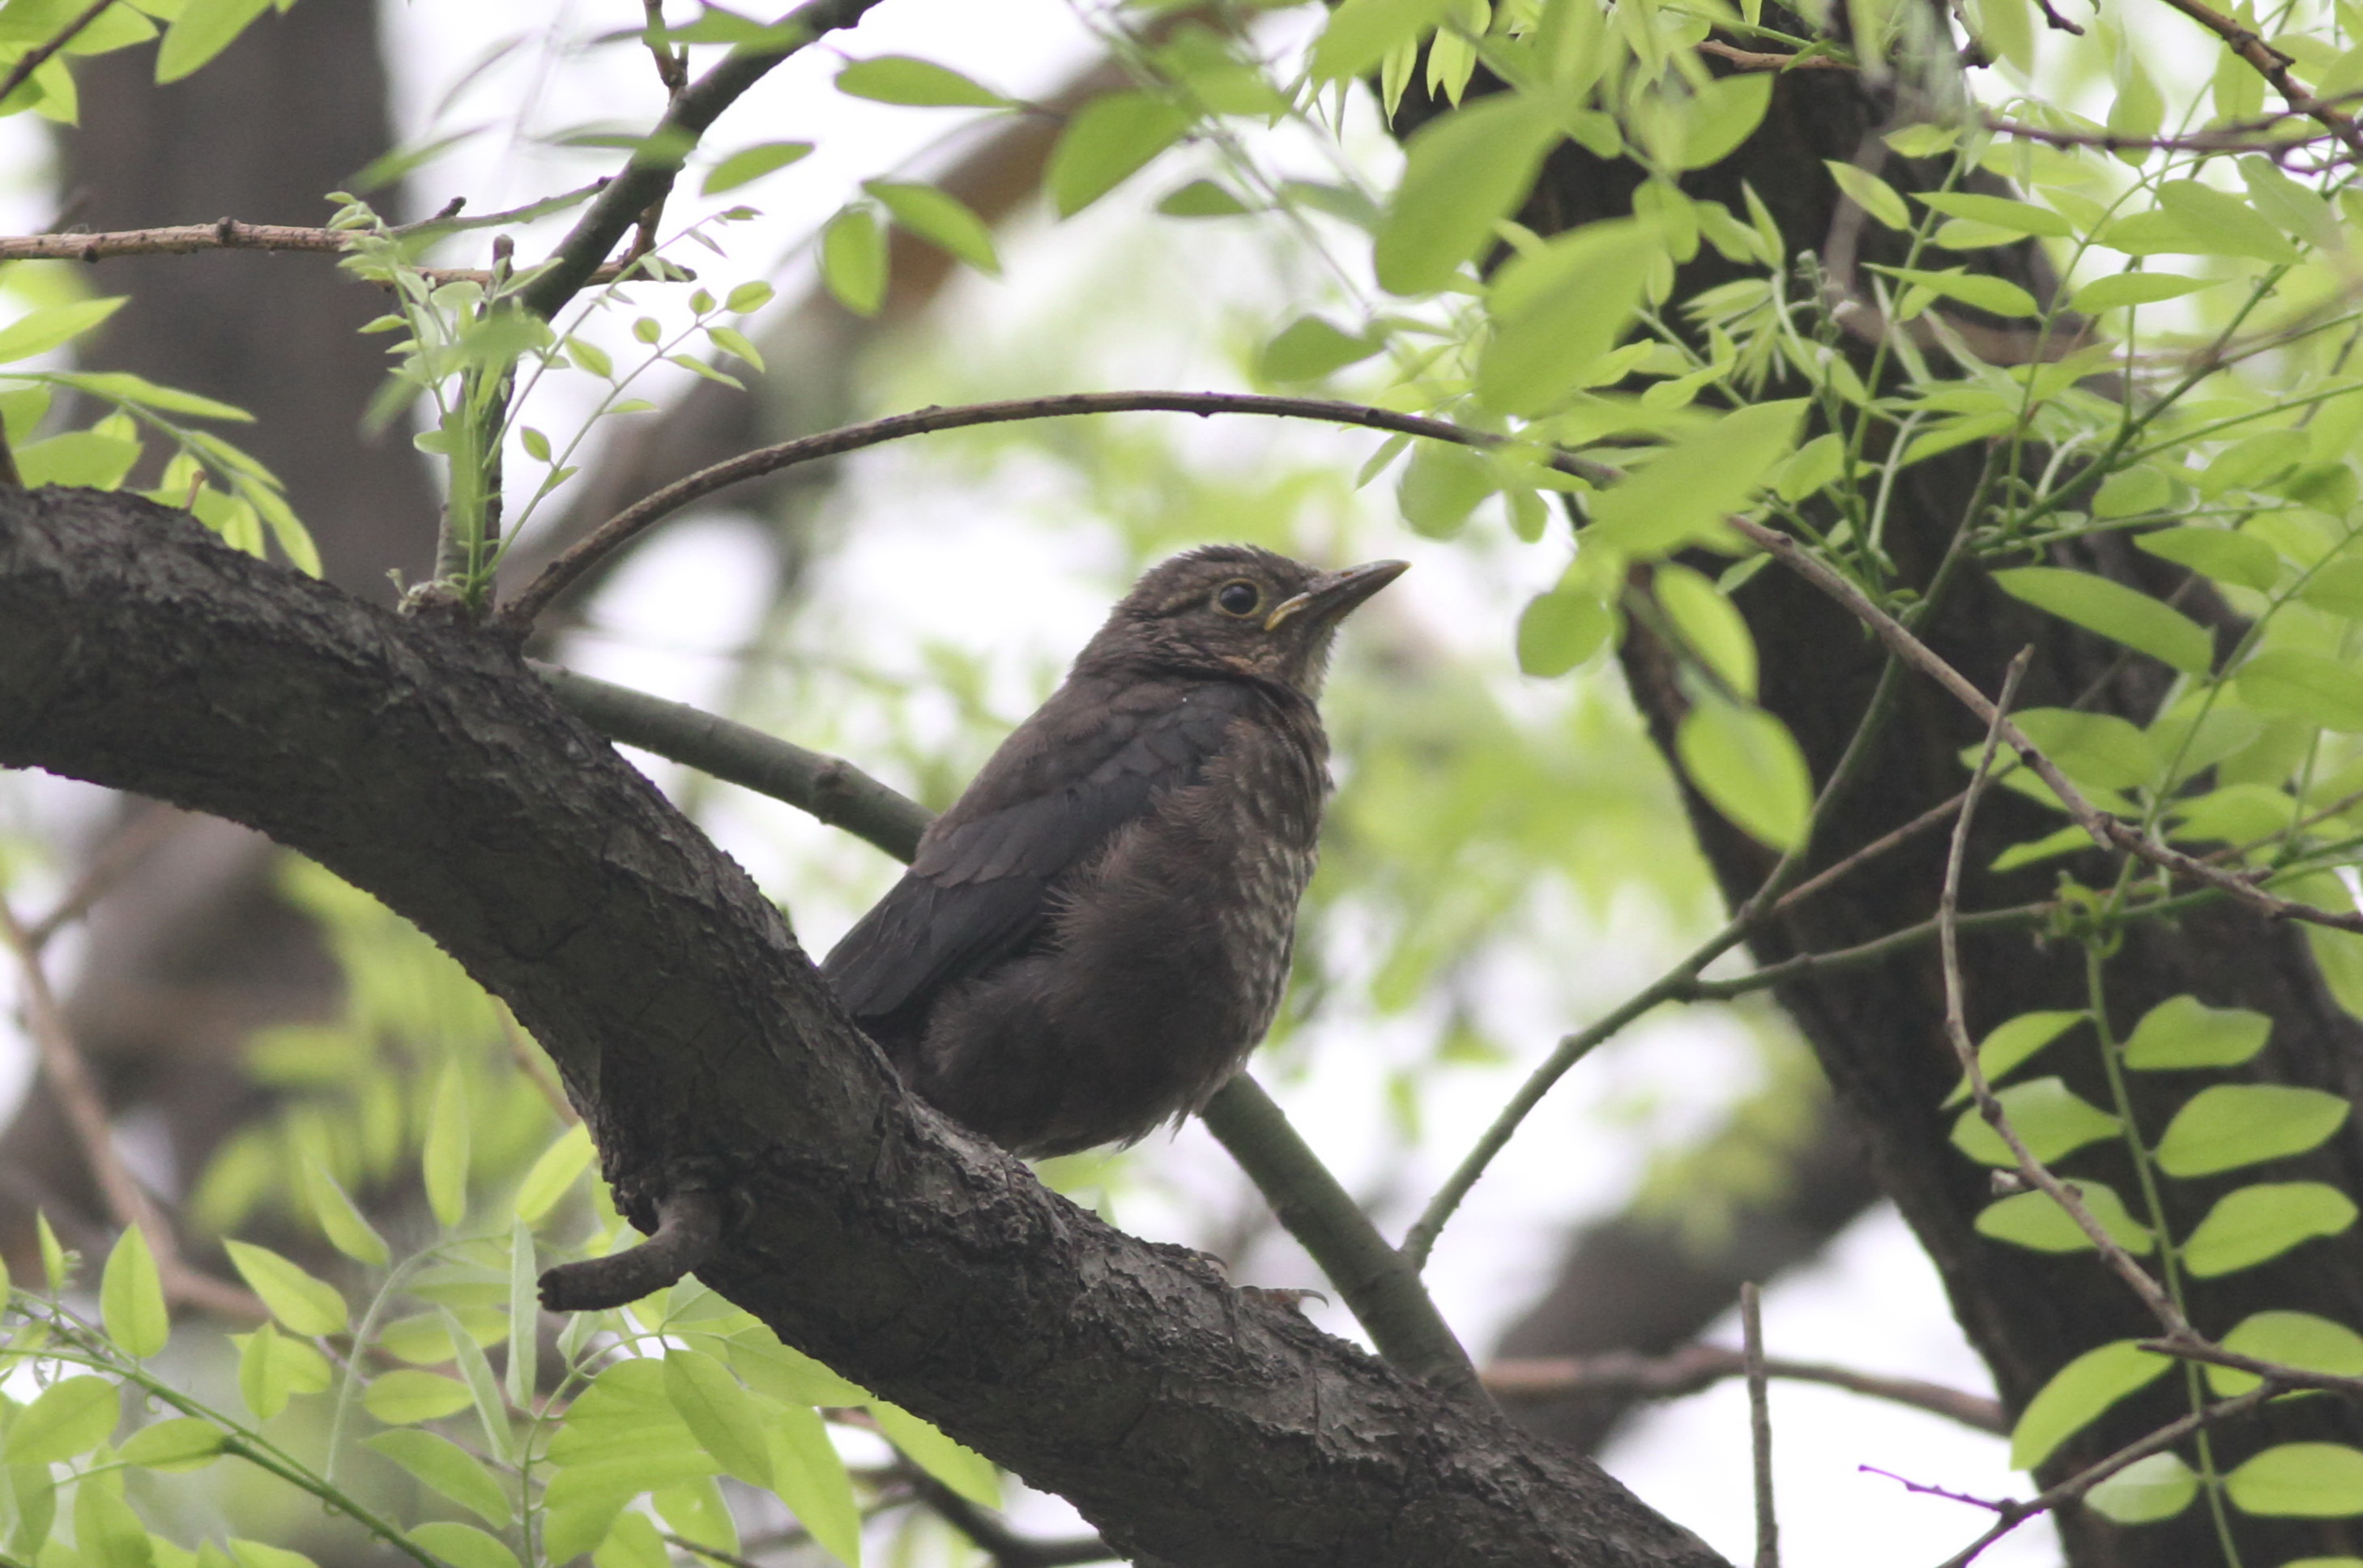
(1329, 596)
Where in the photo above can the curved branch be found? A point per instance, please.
(627, 524)
(425, 763)
(689, 1226)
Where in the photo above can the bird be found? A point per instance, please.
(1092, 938)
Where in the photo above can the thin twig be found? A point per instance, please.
(1759, 1422)
(227, 234)
(2191, 1347)
(41, 54)
(1957, 1028)
(149, 824)
(1821, 879)
(1693, 1367)
(1749, 60)
(618, 530)
(2011, 1513)
(86, 1111)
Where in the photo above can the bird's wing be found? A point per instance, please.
(1088, 762)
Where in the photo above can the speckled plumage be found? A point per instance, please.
(1097, 933)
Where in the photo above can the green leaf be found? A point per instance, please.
(55, 1268)
(2098, 750)
(594, 360)
(2337, 587)
(1442, 485)
(307, 1305)
(1709, 626)
(810, 1479)
(462, 1546)
(1361, 32)
(916, 83)
(2049, 1117)
(943, 220)
(1106, 142)
(1200, 199)
(1749, 768)
(963, 1469)
(1309, 348)
(2183, 1032)
(2032, 1220)
(69, 1417)
(2292, 1339)
(1557, 309)
(525, 1315)
(2226, 1126)
(719, 1413)
(1997, 296)
(131, 1296)
(255, 1554)
(1464, 171)
(1871, 194)
(483, 1389)
(1720, 115)
(121, 387)
(2079, 1392)
(782, 1371)
(632, 1543)
(202, 30)
(695, 1509)
(107, 1534)
(2121, 289)
(2260, 1223)
(78, 458)
(2221, 224)
(1559, 630)
(2219, 553)
(748, 297)
(340, 1222)
(272, 1368)
(48, 329)
(2009, 1044)
(553, 1174)
(1695, 483)
(443, 1156)
(446, 1467)
(853, 259)
(183, 1442)
(2115, 612)
(2292, 683)
(2300, 1480)
(2020, 218)
(750, 164)
(2146, 1491)
(408, 1395)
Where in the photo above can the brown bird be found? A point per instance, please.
(1095, 935)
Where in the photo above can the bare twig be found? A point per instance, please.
(1932, 817)
(618, 530)
(2191, 1347)
(223, 233)
(1693, 1367)
(1957, 1028)
(1927, 1489)
(41, 54)
(2011, 1513)
(1760, 1423)
(149, 824)
(86, 1111)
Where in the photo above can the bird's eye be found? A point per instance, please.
(1238, 597)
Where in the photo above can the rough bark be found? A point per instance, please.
(426, 763)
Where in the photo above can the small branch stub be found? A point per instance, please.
(689, 1229)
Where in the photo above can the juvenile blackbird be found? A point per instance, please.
(1095, 935)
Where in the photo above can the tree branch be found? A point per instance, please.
(425, 763)
(1693, 1367)
(41, 54)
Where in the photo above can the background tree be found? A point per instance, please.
(1660, 260)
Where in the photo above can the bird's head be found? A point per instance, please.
(1237, 609)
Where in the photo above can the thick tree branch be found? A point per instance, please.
(425, 763)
